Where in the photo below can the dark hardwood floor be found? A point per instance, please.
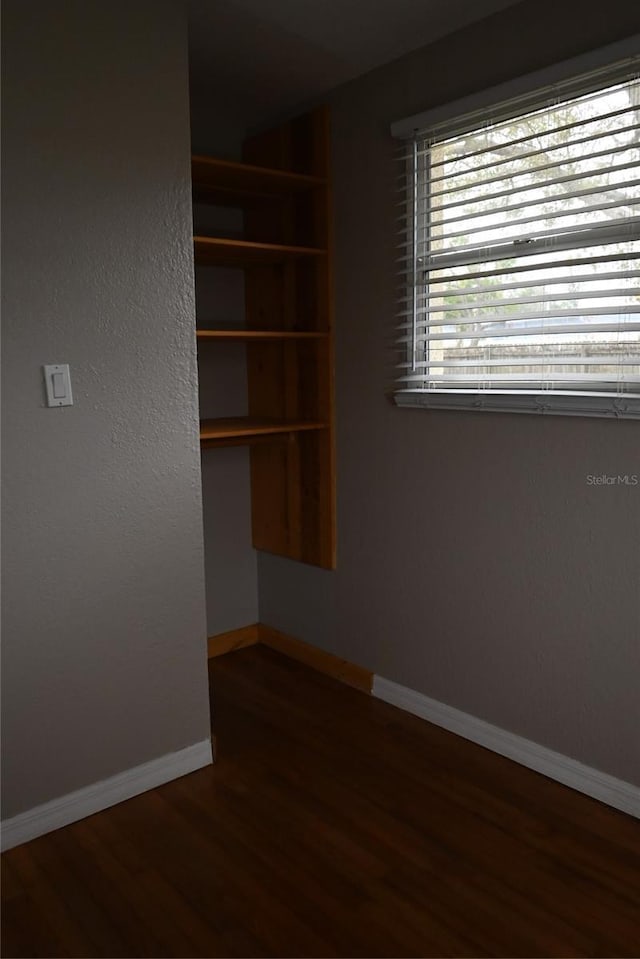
(332, 825)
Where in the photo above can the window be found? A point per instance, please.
(521, 262)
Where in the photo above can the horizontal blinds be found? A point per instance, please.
(519, 246)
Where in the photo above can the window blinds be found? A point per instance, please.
(520, 256)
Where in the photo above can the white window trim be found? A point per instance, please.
(608, 405)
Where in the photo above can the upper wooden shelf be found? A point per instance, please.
(220, 251)
(232, 183)
(250, 335)
(232, 430)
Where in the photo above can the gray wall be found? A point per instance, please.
(104, 653)
(475, 564)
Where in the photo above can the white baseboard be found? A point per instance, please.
(614, 792)
(85, 802)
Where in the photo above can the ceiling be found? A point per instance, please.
(264, 57)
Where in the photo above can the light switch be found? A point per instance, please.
(58, 383)
(58, 386)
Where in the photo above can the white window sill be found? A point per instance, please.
(611, 405)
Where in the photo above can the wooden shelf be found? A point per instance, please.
(220, 251)
(286, 330)
(231, 183)
(259, 335)
(229, 430)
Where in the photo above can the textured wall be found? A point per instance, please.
(104, 610)
(475, 563)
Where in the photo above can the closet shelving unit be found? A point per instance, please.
(282, 187)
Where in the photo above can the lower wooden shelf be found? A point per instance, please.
(245, 430)
(223, 251)
(257, 335)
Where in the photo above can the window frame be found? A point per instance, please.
(522, 93)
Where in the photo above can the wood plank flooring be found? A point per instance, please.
(332, 825)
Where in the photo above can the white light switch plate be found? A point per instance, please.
(58, 383)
